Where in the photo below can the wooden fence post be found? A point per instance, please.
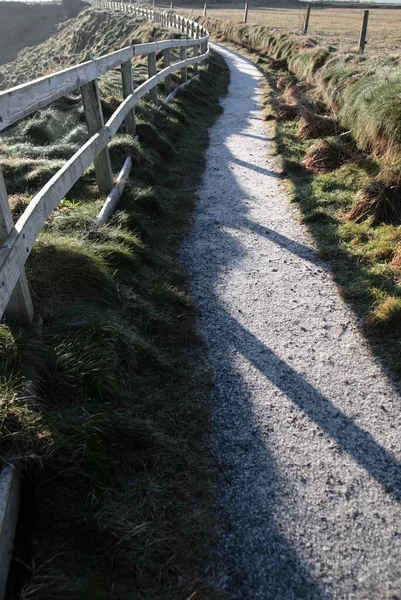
(362, 40)
(196, 53)
(306, 22)
(166, 63)
(183, 56)
(192, 29)
(205, 9)
(19, 308)
(152, 71)
(128, 89)
(246, 12)
(95, 121)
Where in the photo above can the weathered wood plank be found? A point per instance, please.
(21, 239)
(113, 198)
(196, 53)
(143, 49)
(183, 56)
(18, 245)
(95, 122)
(166, 63)
(20, 307)
(10, 497)
(22, 100)
(118, 116)
(128, 88)
(152, 70)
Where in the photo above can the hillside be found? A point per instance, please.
(96, 30)
(103, 402)
(31, 151)
(23, 25)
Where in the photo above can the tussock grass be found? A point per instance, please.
(386, 314)
(362, 253)
(324, 179)
(104, 403)
(380, 199)
(327, 155)
(363, 94)
(312, 125)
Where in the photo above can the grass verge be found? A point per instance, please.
(104, 402)
(348, 198)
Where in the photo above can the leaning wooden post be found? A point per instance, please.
(246, 12)
(306, 23)
(205, 9)
(362, 40)
(19, 308)
(166, 63)
(152, 70)
(128, 89)
(183, 56)
(187, 28)
(94, 122)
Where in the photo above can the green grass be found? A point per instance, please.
(364, 256)
(105, 400)
(359, 254)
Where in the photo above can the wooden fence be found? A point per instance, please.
(16, 241)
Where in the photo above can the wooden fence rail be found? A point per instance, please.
(21, 101)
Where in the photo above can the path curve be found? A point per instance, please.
(306, 428)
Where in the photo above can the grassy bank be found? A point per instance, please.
(362, 93)
(104, 401)
(340, 159)
(23, 25)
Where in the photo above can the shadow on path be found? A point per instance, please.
(257, 559)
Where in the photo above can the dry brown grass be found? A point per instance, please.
(324, 155)
(287, 112)
(380, 199)
(313, 125)
(337, 26)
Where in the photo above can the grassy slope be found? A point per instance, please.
(23, 25)
(34, 149)
(363, 255)
(93, 29)
(104, 401)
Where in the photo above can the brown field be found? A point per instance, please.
(331, 25)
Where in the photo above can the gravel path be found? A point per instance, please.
(305, 424)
